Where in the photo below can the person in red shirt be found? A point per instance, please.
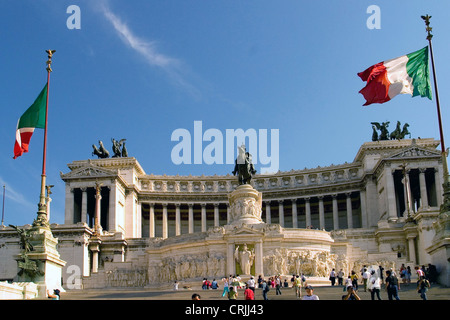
(248, 293)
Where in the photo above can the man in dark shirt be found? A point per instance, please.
(392, 286)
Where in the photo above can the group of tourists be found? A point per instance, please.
(373, 280)
(369, 279)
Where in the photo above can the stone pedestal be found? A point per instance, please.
(245, 205)
(47, 259)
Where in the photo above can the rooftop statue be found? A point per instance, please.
(100, 152)
(399, 133)
(244, 166)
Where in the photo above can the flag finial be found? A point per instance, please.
(428, 28)
(49, 61)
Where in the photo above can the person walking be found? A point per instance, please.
(278, 285)
(374, 285)
(340, 277)
(249, 293)
(232, 294)
(422, 287)
(333, 277)
(354, 278)
(298, 286)
(365, 276)
(251, 283)
(265, 289)
(392, 285)
(225, 287)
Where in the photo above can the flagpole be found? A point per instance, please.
(42, 212)
(446, 185)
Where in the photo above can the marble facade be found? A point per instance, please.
(155, 229)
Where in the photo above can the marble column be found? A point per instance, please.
(231, 269)
(203, 217)
(349, 211)
(390, 194)
(191, 217)
(281, 213)
(423, 189)
(165, 229)
(84, 205)
(216, 214)
(259, 266)
(177, 219)
(335, 212)
(69, 207)
(98, 198)
(268, 215)
(152, 221)
(321, 214)
(294, 213)
(308, 212)
(438, 183)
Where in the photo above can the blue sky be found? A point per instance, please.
(138, 70)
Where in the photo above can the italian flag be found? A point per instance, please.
(33, 118)
(406, 74)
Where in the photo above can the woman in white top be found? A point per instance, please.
(374, 285)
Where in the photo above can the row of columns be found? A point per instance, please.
(178, 218)
(268, 218)
(308, 212)
(424, 201)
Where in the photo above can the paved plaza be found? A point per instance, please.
(407, 292)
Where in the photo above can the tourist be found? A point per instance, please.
(260, 281)
(332, 277)
(286, 284)
(214, 284)
(278, 285)
(225, 287)
(365, 277)
(374, 285)
(422, 287)
(251, 283)
(420, 272)
(348, 282)
(249, 294)
(175, 286)
(340, 277)
(354, 278)
(298, 287)
(232, 294)
(351, 294)
(265, 289)
(402, 273)
(310, 294)
(381, 269)
(196, 296)
(408, 275)
(55, 295)
(392, 285)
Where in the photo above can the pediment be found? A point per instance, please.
(413, 152)
(89, 172)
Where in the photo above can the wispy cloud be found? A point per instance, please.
(173, 67)
(14, 195)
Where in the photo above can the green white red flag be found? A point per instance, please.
(33, 118)
(408, 74)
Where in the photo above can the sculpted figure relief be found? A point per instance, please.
(245, 258)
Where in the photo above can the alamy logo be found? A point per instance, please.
(213, 152)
